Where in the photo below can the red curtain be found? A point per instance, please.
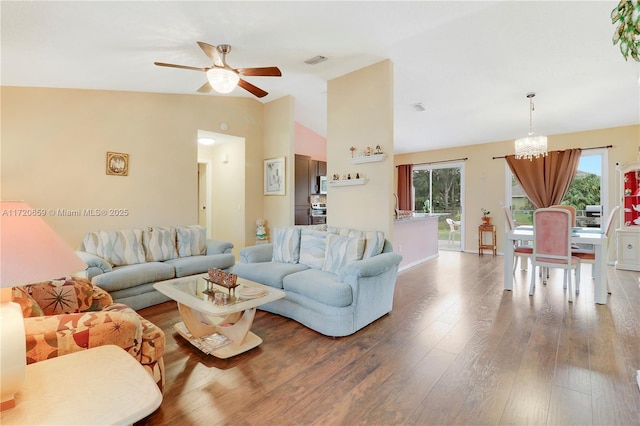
(546, 180)
(405, 173)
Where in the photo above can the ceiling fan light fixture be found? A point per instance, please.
(222, 80)
(531, 147)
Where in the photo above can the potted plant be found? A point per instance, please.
(486, 219)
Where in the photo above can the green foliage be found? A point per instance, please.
(446, 189)
(583, 191)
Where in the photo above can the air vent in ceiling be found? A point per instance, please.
(315, 60)
(418, 107)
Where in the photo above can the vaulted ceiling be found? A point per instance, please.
(470, 64)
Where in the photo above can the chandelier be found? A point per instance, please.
(627, 32)
(222, 80)
(531, 147)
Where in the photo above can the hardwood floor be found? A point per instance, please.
(456, 349)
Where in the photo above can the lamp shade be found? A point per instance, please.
(30, 250)
(222, 80)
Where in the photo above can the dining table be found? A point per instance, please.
(592, 236)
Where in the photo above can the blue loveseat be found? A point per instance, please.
(128, 262)
(336, 280)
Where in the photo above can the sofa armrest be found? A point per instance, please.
(370, 267)
(57, 335)
(218, 246)
(94, 261)
(257, 254)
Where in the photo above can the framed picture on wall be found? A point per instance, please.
(117, 164)
(274, 176)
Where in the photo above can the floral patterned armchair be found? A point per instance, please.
(69, 315)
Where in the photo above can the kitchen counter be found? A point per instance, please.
(415, 237)
(404, 216)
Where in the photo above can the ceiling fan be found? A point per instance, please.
(221, 77)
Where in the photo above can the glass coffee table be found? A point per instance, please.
(214, 319)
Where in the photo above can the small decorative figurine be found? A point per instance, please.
(261, 234)
(357, 175)
(349, 176)
(352, 149)
(378, 150)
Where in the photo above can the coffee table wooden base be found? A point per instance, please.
(235, 327)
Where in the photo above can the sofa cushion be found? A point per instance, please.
(159, 243)
(340, 251)
(286, 244)
(374, 240)
(117, 247)
(320, 286)
(192, 240)
(131, 275)
(267, 273)
(192, 265)
(313, 245)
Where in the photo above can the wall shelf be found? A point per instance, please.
(348, 182)
(367, 158)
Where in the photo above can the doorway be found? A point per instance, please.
(438, 189)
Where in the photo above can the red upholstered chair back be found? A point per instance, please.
(570, 209)
(510, 222)
(611, 220)
(551, 230)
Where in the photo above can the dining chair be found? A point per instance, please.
(571, 210)
(520, 250)
(552, 246)
(454, 226)
(589, 256)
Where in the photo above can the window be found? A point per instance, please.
(588, 188)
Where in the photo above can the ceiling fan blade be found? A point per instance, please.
(205, 88)
(212, 52)
(185, 67)
(256, 91)
(260, 72)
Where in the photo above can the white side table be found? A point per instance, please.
(99, 386)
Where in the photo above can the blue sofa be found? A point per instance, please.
(128, 262)
(336, 280)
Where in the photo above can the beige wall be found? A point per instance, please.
(279, 136)
(54, 145)
(360, 114)
(485, 177)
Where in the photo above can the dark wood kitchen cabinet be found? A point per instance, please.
(302, 190)
(306, 183)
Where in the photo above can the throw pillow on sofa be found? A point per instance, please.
(286, 244)
(117, 247)
(192, 240)
(64, 296)
(313, 245)
(373, 240)
(159, 243)
(341, 250)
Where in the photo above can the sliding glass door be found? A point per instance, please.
(438, 189)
